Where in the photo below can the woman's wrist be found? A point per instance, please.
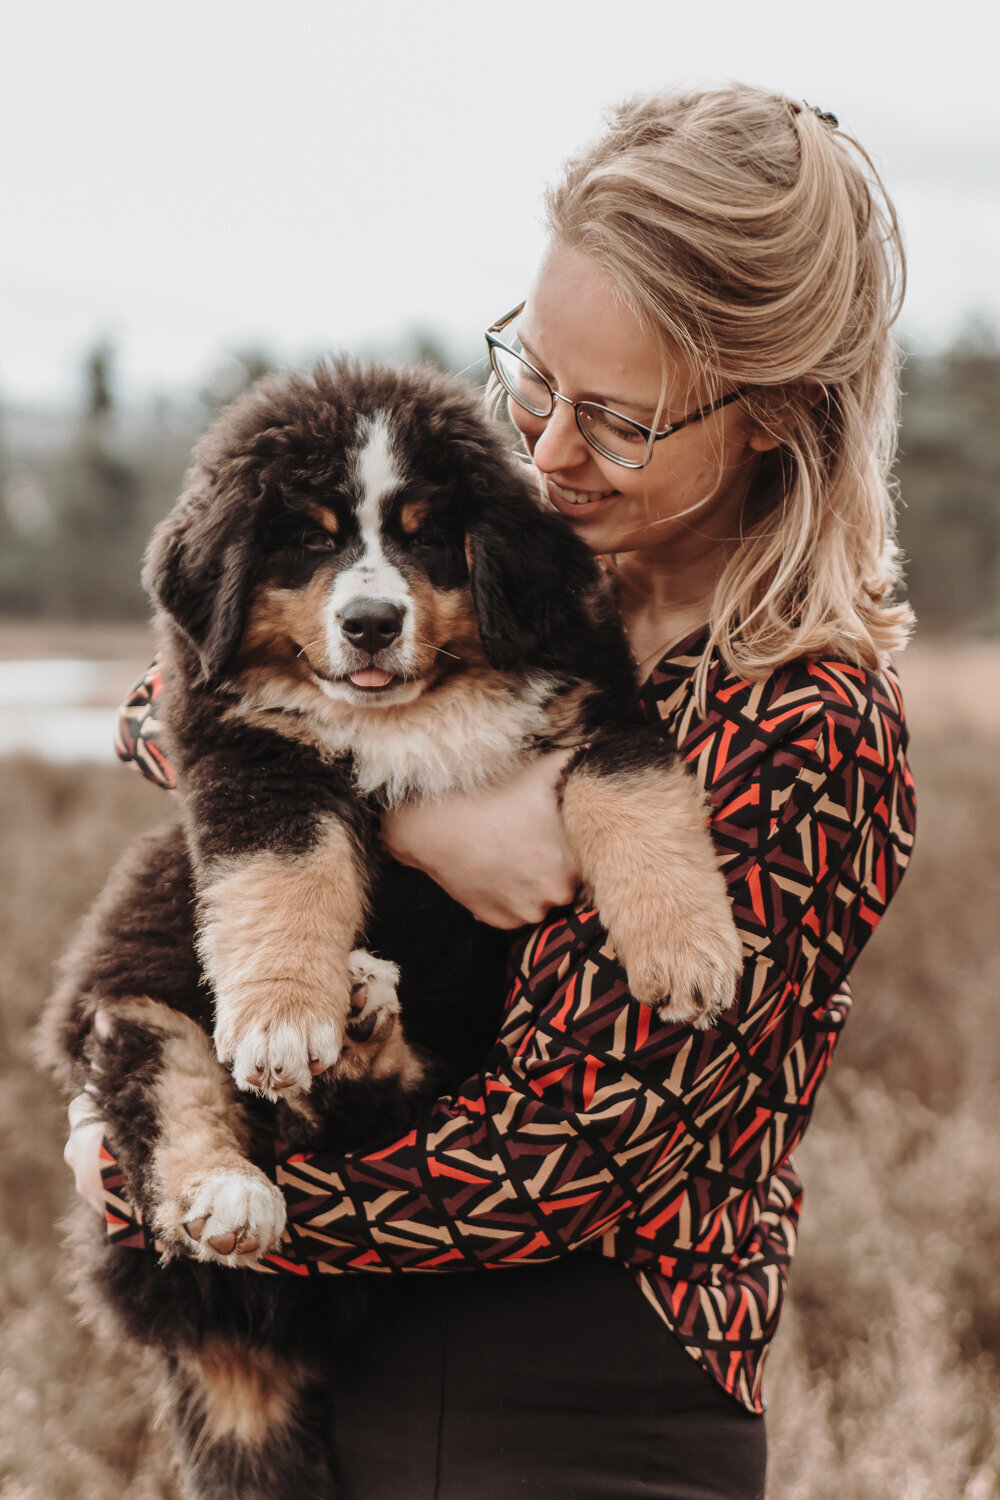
(501, 852)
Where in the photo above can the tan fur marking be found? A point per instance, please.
(412, 515)
(275, 934)
(445, 619)
(287, 626)
(325, 518)
(565, 712)
(200, 1127)
(282, 621)
(387, 1055)
(642, 845)
(245, 1392)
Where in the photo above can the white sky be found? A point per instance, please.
(191, 177)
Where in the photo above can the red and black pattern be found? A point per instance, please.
(139, 730)
(596, 1124)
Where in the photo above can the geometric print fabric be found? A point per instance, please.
(595, 1125)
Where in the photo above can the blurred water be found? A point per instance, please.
(61, 708)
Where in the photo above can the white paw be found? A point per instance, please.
(373, 994)
(236, 1217)
(275, 1057)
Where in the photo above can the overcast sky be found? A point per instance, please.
(203, 175)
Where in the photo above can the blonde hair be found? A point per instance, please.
(752, 235)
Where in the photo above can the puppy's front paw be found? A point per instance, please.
(235, 1217)
(688, 969)
(275, 1056)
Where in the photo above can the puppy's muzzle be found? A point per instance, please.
(371, 625)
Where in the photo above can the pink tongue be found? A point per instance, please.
(371, 677)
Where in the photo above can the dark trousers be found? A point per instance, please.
(555, 1382)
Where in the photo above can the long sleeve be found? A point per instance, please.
(595, 1119)
(594, 1124)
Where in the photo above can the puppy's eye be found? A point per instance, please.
(428, 538)
(319, 541)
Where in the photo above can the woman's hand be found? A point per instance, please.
(83, 1149)
(502, 853)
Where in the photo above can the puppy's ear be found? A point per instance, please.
(536, 588)
(199, 565)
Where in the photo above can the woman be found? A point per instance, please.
(704, 380)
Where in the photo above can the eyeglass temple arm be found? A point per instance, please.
(501, 323)
(702, 412)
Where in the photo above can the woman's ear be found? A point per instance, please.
(781, 401)
(761, 441)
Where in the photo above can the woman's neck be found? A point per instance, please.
(660, 603)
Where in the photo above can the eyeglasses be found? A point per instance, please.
(615, 437)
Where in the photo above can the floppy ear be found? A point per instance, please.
(536, 587)
(199, 564)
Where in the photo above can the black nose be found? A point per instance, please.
(371, 624)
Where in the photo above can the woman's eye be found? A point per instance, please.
(623, 430)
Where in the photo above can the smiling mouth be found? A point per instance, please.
(367, 679)
(578, 497)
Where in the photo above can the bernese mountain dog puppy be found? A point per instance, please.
(359, 602)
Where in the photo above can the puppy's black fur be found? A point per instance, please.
(360, 602)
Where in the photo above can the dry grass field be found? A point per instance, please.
(884, 1379)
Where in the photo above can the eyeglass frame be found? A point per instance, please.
(650, 435)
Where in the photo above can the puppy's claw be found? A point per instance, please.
(699, 1003)
(236, 1217)
(687, 987)
(276, 1059)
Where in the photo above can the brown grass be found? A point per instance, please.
(883, 1381)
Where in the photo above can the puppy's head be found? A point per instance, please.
(363, 530)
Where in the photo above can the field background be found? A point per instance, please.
(883, 1381)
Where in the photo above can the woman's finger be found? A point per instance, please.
(82, 1152)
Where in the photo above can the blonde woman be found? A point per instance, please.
(703, 378)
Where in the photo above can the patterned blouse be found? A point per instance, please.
(594, 1124)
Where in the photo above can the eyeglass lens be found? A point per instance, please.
(522, 382)
(613, 436)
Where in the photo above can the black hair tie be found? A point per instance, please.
(823, 114)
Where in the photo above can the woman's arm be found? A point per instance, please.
(595, 1118)
(139, 734)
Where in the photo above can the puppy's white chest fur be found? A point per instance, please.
(451, 741)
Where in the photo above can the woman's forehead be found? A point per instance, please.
(577, 323)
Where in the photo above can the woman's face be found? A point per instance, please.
(578, 332)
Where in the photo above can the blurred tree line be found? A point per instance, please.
(80, 495)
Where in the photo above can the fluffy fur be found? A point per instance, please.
(359, 602)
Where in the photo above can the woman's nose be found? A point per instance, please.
(560, 445)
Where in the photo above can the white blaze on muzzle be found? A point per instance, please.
(370, 605)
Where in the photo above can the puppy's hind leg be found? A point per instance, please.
(128, 1022)
(248, 1424)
